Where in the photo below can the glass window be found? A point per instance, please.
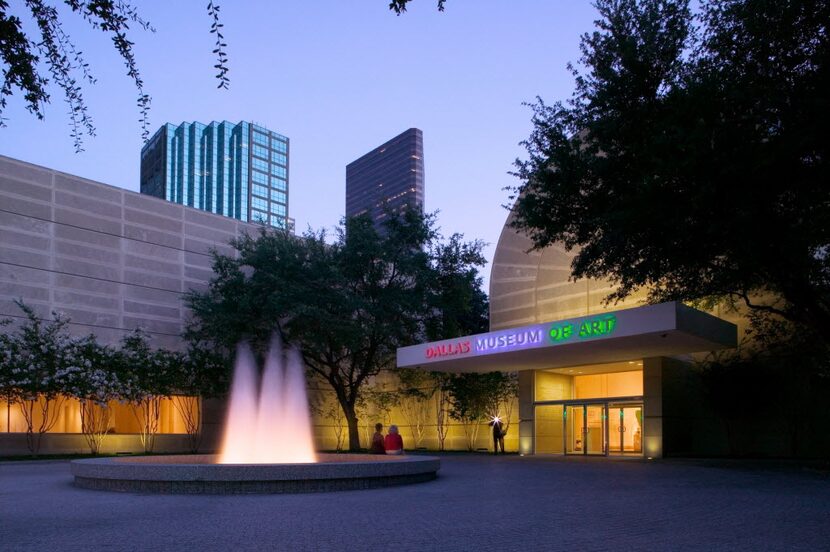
(276, 170)
(551, 386)
(279, 145)
(278, 222)
(278, 209)
(280, 158)
(260, 190)
(615, 384)
(259, 203)
(277, 195)
(260, 151)
(259, 164)
(279, 184)
(260, 178)
(256, 216)
(260, 138)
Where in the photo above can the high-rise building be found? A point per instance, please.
(388, 179)
(239, 170)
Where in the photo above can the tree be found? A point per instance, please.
(789, 364)
(39, 362)
(416, 389)
(348, 305)
(382, 401)
(443, 405)
(476, 397)
(7, 389)
(461, 305)
(27, 60)
(692, 158)
(198, 374)
(94, 382)
(325, 405)
(504, 394)
(150, 375)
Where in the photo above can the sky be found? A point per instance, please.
(338, 78)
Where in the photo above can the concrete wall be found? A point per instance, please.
(111, 259)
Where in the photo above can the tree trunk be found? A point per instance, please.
(354, 430)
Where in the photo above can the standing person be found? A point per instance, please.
(377, 440)
(498, 434)
(394, 441)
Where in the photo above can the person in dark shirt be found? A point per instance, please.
(377, 441)
(498, 434)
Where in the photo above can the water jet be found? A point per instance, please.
(267, 447)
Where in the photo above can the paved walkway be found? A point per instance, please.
(478, 503)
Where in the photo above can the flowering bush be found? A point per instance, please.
(36, 370)
(93, 380)
(41, 364)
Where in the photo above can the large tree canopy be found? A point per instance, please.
(692, 159)
(347, 305)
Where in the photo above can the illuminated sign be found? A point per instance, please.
(508, 340)
(592, 327)
(448, 349)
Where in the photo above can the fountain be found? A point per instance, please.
(272, 426)
(267, 446)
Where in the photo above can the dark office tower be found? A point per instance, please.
(239, 170)
(388, 179)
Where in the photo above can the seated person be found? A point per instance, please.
(377, 441)
(394, 442)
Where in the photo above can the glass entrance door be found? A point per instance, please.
(625, 429)
(595, 429)
(585, 428)
(575, 429)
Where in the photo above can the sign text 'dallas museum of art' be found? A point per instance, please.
(667, 328)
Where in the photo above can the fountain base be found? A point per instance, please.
(198, 474)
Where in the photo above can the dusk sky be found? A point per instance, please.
(338, 78)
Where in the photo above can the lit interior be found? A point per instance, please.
(618, 379)
(599, 427)
(123, 419)
(625, 432)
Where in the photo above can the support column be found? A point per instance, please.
(526, 411)
(213, 423)
(653, 407)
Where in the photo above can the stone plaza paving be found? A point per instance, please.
(477, 503)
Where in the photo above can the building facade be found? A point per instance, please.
(594, 379)
(112, 261)
(387, 180)
(239, 170)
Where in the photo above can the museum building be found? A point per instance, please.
(593, 379)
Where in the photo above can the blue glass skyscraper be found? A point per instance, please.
(239, 170)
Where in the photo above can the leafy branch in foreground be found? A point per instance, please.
(399, 6)
(221, 55)
(31, 63)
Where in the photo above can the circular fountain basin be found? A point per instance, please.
(198, 474)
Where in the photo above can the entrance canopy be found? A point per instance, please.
(630, 334)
